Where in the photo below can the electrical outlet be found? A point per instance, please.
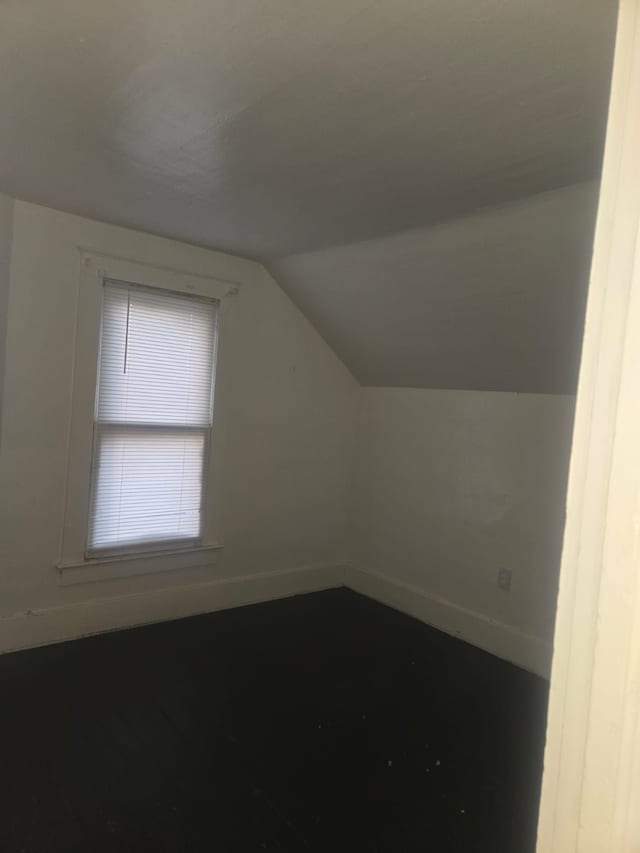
(504, 579)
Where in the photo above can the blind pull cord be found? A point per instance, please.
(126, 333)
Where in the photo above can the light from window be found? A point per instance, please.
(153, 417)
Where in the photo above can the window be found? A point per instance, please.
(153, 418)
(146, 442)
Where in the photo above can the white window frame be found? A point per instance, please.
(74, 565)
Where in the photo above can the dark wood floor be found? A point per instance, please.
(324, 723)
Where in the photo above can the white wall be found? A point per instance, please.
(289, 440)
(6, 223)
(449, 487)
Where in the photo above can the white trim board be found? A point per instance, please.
(497, 638)
(99, 615)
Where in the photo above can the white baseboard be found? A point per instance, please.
(68, 622)
(499, 639)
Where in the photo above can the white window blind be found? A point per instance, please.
(153, 418)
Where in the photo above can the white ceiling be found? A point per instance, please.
(267, 127)
(272, 128)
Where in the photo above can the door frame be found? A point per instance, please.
(591, 780)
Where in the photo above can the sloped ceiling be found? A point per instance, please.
(492, 301)
(274, 128)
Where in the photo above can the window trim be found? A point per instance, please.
(74, 565)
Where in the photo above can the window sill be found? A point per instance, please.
(130, 565)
